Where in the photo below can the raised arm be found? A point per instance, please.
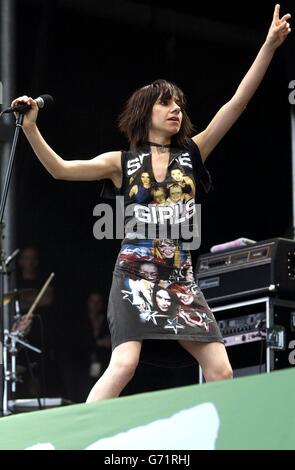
(231, 111)
(106, 165)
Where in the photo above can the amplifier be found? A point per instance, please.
(265, 267)
(241, 330)
(259, 334)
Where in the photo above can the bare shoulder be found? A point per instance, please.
(109, 161)
(112, 164)
(105, 165)
(113, 158)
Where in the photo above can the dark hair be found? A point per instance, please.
(134, 121)
(138, 176)
(180, 288)
(158, 187)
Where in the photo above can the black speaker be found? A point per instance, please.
(267, 267)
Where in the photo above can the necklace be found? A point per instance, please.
(161, 147)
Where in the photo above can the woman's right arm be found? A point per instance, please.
(106, 165)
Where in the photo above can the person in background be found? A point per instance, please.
(37, 329)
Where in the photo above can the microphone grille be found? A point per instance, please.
(43, 101)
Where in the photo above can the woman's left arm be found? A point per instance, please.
(231, 111)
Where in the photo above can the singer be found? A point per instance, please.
(154, 294)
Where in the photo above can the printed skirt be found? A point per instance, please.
(154, 295)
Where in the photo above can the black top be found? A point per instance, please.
(200, 172)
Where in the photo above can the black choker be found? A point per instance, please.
(162, 148)
(159, 145)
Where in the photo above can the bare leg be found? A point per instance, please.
(120, 371)
(212, 357)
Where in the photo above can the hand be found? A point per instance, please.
(23, 324)
(279, 29)
(30, 116)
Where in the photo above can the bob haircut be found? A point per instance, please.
(134, 121)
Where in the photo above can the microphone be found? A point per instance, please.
(43, 101)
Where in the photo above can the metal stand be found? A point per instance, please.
(10, 345)
(8, 339)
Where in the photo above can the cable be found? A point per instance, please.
(261, 354)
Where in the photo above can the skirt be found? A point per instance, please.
(154, 295)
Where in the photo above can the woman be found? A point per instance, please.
(158, 130)
(140, 192)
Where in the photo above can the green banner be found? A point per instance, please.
(254, 412)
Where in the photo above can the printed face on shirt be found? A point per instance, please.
(175, 193)
(163, 300)
(145, 179)
(185, 299)
(159, 195)
(148, 271)
(177, 175)
(167, 248)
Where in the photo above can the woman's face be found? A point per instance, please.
(145, 179)
(159, 196)
(163, 300)
(177, 175)
(149, 271)
(167, 249)
(185, 299)
(175, 193)
(166, 117)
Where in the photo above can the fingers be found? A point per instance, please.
(281, 25)
(23, 100)
(276, 15)
(284, 28)
(20, 100)
(284, 25)
(286, 17)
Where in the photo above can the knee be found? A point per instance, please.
(222, 373)
(124, 367)
(227, 373)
